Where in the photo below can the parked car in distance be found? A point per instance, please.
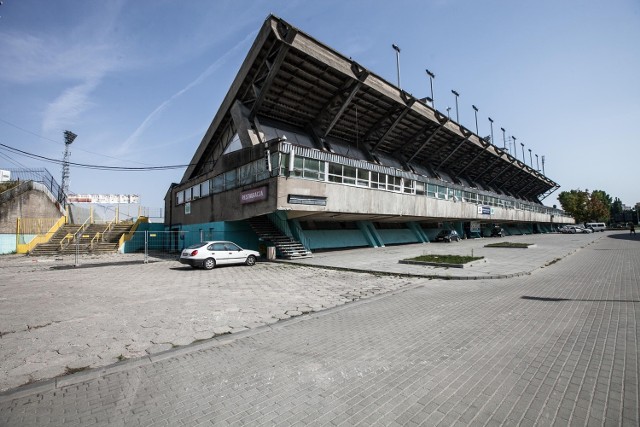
(596, 226)
(567, 229)
(497, 232)
(208, 255)
(448, 236)
(573, 229)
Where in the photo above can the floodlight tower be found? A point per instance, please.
(397, 49)
(69, 137)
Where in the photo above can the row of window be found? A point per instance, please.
(331, 172)
(317, 170)
(247, 174)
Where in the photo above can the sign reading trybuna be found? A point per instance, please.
(254, 195)
(485, 210)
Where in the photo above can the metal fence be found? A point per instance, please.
(139, 247)
(171, 243)
(42, 176)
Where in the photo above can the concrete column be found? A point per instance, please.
(240, 116)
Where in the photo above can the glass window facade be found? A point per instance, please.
(317, 169)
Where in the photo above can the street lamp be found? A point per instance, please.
(504, 139)
(448, 111)
(515, 152)
(537, 164)
(397, 49)
(456, 94)
(491, 125)
(543, 166)
(475, 111)
(530, 158)
(522, 153)
(431, 77)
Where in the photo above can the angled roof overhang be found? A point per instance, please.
(290, 77)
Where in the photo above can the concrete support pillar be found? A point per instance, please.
(370, 234)
(247, 134)
(418, 231)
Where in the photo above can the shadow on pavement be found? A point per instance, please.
(551, 299)
(624, 236)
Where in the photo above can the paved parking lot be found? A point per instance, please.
(556, 343)
(56, 319)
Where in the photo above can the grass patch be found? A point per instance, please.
(508, 245)
(446, 259)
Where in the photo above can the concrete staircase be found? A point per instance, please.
(93, 240)
(288, 247)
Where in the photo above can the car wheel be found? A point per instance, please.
(209, 264)
(251, 260)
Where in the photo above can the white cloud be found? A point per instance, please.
(133, 138)
(68, 106)
(73, 61)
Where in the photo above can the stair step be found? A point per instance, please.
(287, 246)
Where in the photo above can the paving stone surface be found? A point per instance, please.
(56, 320)
(558, 346)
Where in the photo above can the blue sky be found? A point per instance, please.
(140, 81)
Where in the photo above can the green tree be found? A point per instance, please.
(599, 206)
(574, 203)
(616, 209)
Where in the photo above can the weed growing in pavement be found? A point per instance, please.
(69, 371)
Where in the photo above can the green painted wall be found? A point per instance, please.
(180, 237)
(324, 239)
(396, 236)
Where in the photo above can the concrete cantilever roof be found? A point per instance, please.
(292, 78)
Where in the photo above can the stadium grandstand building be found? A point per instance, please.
(311, 145)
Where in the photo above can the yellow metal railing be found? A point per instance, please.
(130, 234)
(95, 239)
(70, 236)
(107, 228)
(66, 238)
(30, 225)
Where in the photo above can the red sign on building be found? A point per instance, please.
(255, 195)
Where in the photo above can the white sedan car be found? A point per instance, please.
(209, 254)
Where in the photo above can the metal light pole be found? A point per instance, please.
(431, 77)
(515, 152)
(522, 153)
(397, 49)
(475, 111)
(537, 163)
(491, 125)
(530, 158)
(448, 111)
(69, 137)
(543, 167)
(456, 95)
(504, 139)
